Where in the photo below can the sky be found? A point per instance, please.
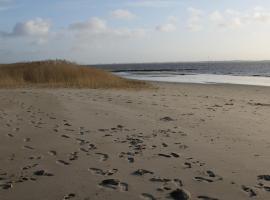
(134, 31)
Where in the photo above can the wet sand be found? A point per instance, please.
(180, 141)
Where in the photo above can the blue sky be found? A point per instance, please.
(120, 31)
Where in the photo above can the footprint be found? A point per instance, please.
(110, 183)
(123, 187)
(202, 179)
(10, 135)
(264, 177)
(103, 156)
(73, 156)
(92, 147)
(178, 182)
(141, 172)
(164, 155)
(27, 139)
(180, 194)
(28, 147)
(188, 165)
(67, 124)
(120, 126)
(164, 144)
(6, 186)
(62, 162)
(65, 136)
(29, 166)
(69, 196)
(130, 159)
(249, 190)
(206, 198)
(160, 180)
(52, 153)
(81, 141)
(211, 177)
(101, 172)
(147, 196)
(42, 173)
(183, 146)
(166, 119)
(114, 184)
(266, 188)
(84, 150)
(211, 174)
(175, 155)
(16, 129)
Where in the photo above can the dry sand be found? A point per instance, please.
(204, 141)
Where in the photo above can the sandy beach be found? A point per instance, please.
(178, 141)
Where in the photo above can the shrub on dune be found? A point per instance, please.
(60, 73)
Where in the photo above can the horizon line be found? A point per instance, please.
(137, 63)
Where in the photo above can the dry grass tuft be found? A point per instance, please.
(60, 73)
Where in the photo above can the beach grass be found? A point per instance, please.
(61, 73)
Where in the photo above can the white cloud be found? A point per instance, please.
(95, 32)
(94, 25)
(38, 32)
(233, 19)
(98, 27)
(170, 26)
(195, 19)
(34, 32)
(261, 15)
(37, 27)
(122, 14)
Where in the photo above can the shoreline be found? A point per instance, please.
(208, 84)
(154, 83)
(203, 79)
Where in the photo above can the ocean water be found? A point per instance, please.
(236, 72)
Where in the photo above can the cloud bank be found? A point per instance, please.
(121, 29)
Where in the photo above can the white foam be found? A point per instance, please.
(201, 78)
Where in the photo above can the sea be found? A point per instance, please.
(223, 72)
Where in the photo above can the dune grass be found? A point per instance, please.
(60, 73)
